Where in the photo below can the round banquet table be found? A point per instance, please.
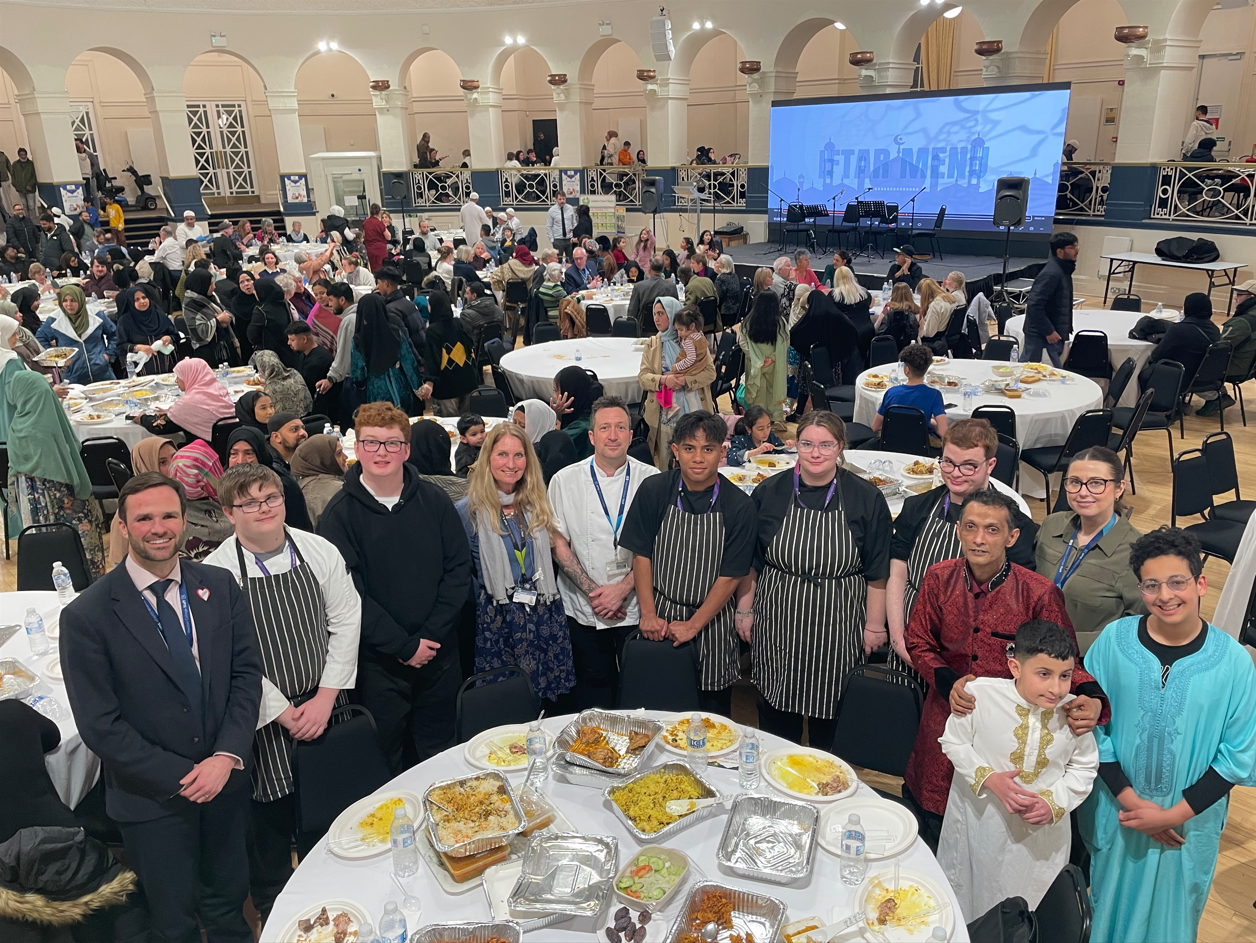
(322, 876)
(73, 768)
(860, 460)
(1044, 416)
(1115, 324)
(615, 299)
(531, 370)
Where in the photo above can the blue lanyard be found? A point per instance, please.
(1061, 576)
(292, 555)
(623, 502)
(187, 613)
(520, 546)
(680, 489)
(827, 498)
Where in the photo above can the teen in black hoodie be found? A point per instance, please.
(411, 564)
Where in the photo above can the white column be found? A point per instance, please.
(763, 89)
(886, 77)
(667, 121)
(1014, 67)
(392, 127)
(283, 114)
(1158, 100)
(484, 121)
(51, 141)
(176, 163)
(574, 104)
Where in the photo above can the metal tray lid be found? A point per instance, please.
(567, 873)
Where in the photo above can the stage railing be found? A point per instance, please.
(440, 188)
(623, 182)
(725, 184)
(1214, 193)
(532, 186)
(1083, 189)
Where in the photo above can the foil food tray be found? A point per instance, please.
(483, 842)
(706, 791)
(617, 727)
(568, 874)
(769, 839)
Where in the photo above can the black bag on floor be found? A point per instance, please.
(1185, 249)
(1009, 921)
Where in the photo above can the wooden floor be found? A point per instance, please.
(1229, 914)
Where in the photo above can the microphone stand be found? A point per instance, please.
(832, 215)
(912, 204)
(780, 214)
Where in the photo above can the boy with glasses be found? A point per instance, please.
(1182, 734)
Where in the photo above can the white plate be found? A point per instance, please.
(781, 461)
(875, 815)
(102, 386)
(52, 671)
(768, 762)
(945, 919)
(906, 474)
(343, 839)
(83, 421)
(476, 751)
(355, 910)
(668, 721)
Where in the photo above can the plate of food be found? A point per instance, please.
(1002, 370)
(239, 371)
(886, 485)
(920, 468)
(141, 394)
(906, 911)
(876, 381)
(102, 388)
(109, 405)
(775, 461)
(168, 379)
(940, 359)
(1029, 378)
(74, 402)
(362, 830)
(92, 419)
(255, 382)
(56, 356)
(604, 740)
(745, 478)
(810, 774)
(504, 748)
(723, 736)
(641, 802)
(336, 921)
(471, 814)
(889, 828)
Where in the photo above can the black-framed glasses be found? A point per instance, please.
(1073, 485)
(372, 445)
(1176, 584)
(967, 469)
(252, 507)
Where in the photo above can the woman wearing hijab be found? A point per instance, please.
(243, 301)
(430, 457)
(148, 455)
(247, 446)
(254, 410)
(27, 301)
(319, 465)
(10, 365)
(383, 366)
(554, 447)
(657, 359)
(209, 327)
(202, 402)
(270, 319)
(47, 480)
(197, 468)
(573, 403)
(449, 360)
(765, 340)
(74, 326)
(15, 337)
(537, 419)
(523, 267)
(286, 387)
(824, 325)
(142, 325)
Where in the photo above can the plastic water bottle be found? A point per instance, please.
(131, 368)
(35, 632)
(748, 760)
(854, 865)
(538, 748)
(46, 705)
(968, 398)
(63, 583)
(578, 357)
(938, 934)
(405, 854)
(1159, 308)
(887, 289)
(695, 744)
(392, 926)
(367, 934)
(1015, 354)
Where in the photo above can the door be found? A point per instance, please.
(544, 137)
(1220, 77)
(220, 146)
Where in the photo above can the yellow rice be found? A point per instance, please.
(643, 801)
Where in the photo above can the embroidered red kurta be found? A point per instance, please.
(959, 628)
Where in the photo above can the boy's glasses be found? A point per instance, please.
(1176, 584)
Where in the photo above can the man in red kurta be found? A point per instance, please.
(967, 612)
(375, 236)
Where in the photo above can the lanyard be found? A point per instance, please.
(292, 555)
(1061, 575)
(520, 546)
(680, 489)
(187, 613)
(623, 502)
(827, 498)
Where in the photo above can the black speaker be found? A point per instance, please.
(651, 194)
(1011, 197)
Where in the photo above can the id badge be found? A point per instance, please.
(617, 569)
(525, 596)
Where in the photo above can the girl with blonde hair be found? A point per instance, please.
(936, 307)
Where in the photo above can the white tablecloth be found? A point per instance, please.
(616, 303)
(531, 370)
(1232, 605)
(73, 768)
(1040, 420)
(1116, 324)
(322, 876)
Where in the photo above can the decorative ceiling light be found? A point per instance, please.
(952, 13)
(840, 25)
(334, 46)
(520, 40)
(697, 25)
(322, 46)
(707, 24)
(509, 39)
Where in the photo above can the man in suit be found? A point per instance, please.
(645, 293)
(164, 675)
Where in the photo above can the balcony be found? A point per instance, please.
(533, 186)
(1083, 189)
(1211, 193)
(431, 189)
(725, 186)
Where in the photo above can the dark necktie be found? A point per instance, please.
(562, 216)
(178, 640)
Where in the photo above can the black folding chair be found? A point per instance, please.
(1007, 466)
(486, 334)
(1210, 378)
(1122, 442)
(709, 308)
(119, 473)
(502, 383)
(545, 331)
(1192, 494)
(487, 401)
(40, 546)
(1064, 913)
(849, 224)
(905, 429)
(492, 698)
(4, 493)
(883, 349)
(1088, 355)
(931, 234)
(1165, 380)
(220, 433)
(657, 675)
(315, 423)
(95, 452)
(1091, 429)
(597, 320)
(822, 370)
(1003, 418)
(877, 718)
(1223, 471)
(516, 297)
(1000, 348)
(1237, 386)
(1120, 380)
(335, 770)
(1127, 302)
(625, 327)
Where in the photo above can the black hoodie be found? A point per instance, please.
(411, 565)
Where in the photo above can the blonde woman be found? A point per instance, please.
(853, 300)
(445, 266)
(762, 280)
(900, 318)
(519, 616)
(936, 306)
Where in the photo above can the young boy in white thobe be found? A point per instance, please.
(1019, 771)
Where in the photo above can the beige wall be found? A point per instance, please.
(333, 91)
(436, 105)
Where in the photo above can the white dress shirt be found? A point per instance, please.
(580, 518)
(170, 254)
(341, 366)
(554, 222)
(183, 232)
(344, 610)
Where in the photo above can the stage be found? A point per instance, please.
(872, 271)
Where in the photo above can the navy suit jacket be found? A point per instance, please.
(130, 710)
(577, 279)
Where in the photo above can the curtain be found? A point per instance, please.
(937, 54)
(1048, 69)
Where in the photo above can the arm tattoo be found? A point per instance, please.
(569, 563)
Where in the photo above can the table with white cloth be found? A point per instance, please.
(1237, 592)
(615, 360)
(74, 768)
(1044, 415)
(1115, 324)
(323, 877)
(615, 299)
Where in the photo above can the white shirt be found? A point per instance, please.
(183, 232)
(512, 163)
(473, 217)
(515, 224)
(85, 164)
(579, 517)
(446, 271)
(169, 254)
(388, 501)
(358, 278)
(344, 340)
(344, 610)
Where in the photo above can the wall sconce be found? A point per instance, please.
(1130, 34)
(988, 47)
(469, 85)
(750, 67)
(647, 75)
(380, 85)
(557, 78)
(861, 57)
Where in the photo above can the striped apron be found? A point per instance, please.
(936, 541)
(810, 607)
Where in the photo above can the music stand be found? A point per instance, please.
(870, 209)
(689, 191)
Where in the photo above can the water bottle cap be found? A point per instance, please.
(854, 819)
(390, 907)
(56, 563)
(399, 812)
(939, 933)
(695, 718)
(31, 611)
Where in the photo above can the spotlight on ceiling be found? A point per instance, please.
(697, 25)
(322, 46)
(707, 24)
(840, 25)
(952, 13)
(333, 46)
(509, 40)
(520, 40)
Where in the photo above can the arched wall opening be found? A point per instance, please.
(334, 105)
(437, 106)
(233, 138)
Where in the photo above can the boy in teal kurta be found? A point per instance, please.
(1182, 733)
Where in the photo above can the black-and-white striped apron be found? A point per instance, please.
(936, 541)
(688, 552)
(809, 611)
(291, 618)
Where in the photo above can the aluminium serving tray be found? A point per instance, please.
(617, 727)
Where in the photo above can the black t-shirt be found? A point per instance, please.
(659, 492)
(867, 516)
(916, 511)
(914, 274)
(314, 366)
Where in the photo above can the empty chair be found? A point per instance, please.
(1088, 355)
(1000, 348)
(492, 698)
(597, 319)
(40, 546)
(931, 234)
(495, 350)
(1127, 303)
(1192, 495)
(658, 675)
(95, 452)
(1064, 914)
(822, 368)
(1237, 386)
(905, 429)
(883, 350)
(1007, 464)
(1122, 443)
(545, 331)
(1218, 448)
(1165, 381)
(331, 773)
(487, 401)
(1210, 378)
(709, 308)
(502, 383)
(1120, 380)
(1090, 429)
(120, 473)
(1003, 418)
(849, 224)
(877, 718)
(625, 327)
